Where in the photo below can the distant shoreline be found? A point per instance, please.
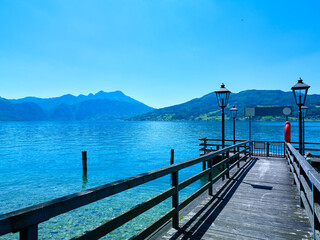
(128, 120)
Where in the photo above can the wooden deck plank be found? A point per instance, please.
(259, 202)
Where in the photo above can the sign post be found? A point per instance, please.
(249, 112)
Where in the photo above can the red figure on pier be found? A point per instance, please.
(287, 131)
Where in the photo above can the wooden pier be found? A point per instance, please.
(263, 190)
(258, 202)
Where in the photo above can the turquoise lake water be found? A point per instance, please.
(41, 161)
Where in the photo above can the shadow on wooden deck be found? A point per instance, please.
(258, 202)
(213, 208)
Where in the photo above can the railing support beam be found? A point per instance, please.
(238, 157)
(204, 145)
(175, 200)
(30, 233)
(228, 169)
(315, 200)
(223, 166)
(210, 177)
(299, 186)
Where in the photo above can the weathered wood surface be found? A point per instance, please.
(259, 202)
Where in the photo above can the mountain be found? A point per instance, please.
(117, 106)
(50, 103)
(100, 109)
(20, 112)
(99, 106)
(206, 107)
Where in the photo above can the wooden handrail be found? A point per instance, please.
(312, 174)
(214, 139)
(272, 148)
(307, 180)
(28, 218)
(239, 140)
(315, 143)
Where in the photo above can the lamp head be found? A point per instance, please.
(222, 96)
(233, 111)
(300, 91)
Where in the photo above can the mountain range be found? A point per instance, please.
(118, 106)
(206, 107)
(100, 106)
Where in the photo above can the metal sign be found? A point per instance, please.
(287, 111)
(259, 145)
(268, 111)
(276, 144)
(249, 112)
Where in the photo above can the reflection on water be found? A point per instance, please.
(41, 160)
(84, 179)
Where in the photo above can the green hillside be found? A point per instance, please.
(206, 107)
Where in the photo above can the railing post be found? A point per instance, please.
(238, 150)
(205, 145)
(300, 201)
(175, 200)
(30, 233)
(204, 152)
(287, 155)
(203, 165)
(294, 170)
(175, 197)
(238, 157)
(247, 151)
(172, 157)
(84, 161)
(315, 200)
(210, 177)
(228, 169)
(268, 146)
(223, 166)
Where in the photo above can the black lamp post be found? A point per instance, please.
(304, 111)
(300, 91)
(233, 111)
(222, 97)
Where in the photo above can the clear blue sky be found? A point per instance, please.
(159, 52)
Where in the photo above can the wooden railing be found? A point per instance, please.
(26, 220)
(307, 180)
(313, 147)
(211, 144)
(257, 148)
(272, 148)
